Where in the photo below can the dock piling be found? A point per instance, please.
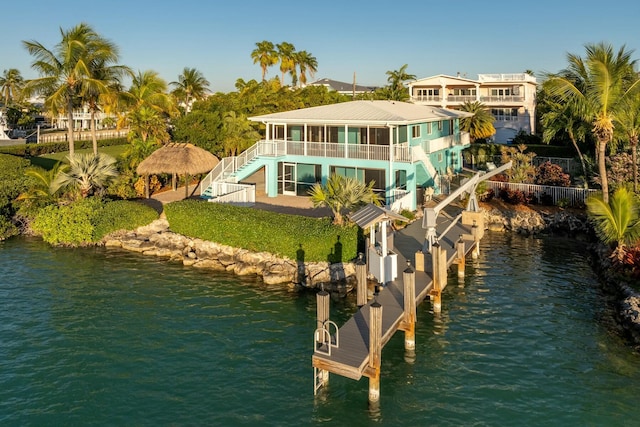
(375, 351)
(460, 257)
(409, 326)
(322, 314)
(361, 276)
(436, 291)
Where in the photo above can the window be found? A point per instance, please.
(440, 126)
(440, 158)
(463, 92)
(415, 131)
(505, 114)
(429, 129)
(427, 93)
(364, 176)
(401, 180)
(503, 92)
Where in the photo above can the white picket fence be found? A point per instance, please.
(572, 195)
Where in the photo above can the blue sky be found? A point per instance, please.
(368, 38)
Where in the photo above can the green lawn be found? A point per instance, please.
(47, 161)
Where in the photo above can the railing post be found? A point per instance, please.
(361, 276)
(375, 351)
(409, 279)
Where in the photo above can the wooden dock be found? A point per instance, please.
(350, 352)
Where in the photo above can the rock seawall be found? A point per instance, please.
(537, 221)
(156, 239)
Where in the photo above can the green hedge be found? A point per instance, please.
(12, 182)
(34, 150)
(87, 221)
(263, 231)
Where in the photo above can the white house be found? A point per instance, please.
(511, 98)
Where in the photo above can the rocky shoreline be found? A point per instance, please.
(156, 239)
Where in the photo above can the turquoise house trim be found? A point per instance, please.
(400, 147)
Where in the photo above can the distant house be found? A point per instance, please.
(401, 147)
(82, 119)
(343, 87)
(511, 98)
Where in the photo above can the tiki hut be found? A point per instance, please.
(178, 159)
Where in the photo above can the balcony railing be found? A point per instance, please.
(502, 99)
(401, 152)
(460, 98)
(427, 98)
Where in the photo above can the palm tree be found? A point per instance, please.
(396, 79)
(617, 221)
(238, 133)
(286, 55)
(43, 189)
(87, 172)
(307, 63)
(480, 125)
(628, 122)
(149, 89)
(11, 84)
(562, 119)
(103, 90)
(148, 107)
(191, 86)
(597, 88)
(266, 55)
(342, 194)
(67, 70)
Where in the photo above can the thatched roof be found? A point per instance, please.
(178, 158)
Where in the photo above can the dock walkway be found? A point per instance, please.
(351, 357)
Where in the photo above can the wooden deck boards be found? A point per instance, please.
(351, 357)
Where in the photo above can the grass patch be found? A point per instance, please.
(263, 231)
(47, 161)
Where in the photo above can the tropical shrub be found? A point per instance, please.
(341, 195)
(262, 231)
(516, 197)
(88, 220)
(121, 215)
(551, 174)
(522, 169)
(88, 173)
(13, 182)
(67, 224)
(618, 221)
(620, 170)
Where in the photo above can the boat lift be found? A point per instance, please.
(430, 216)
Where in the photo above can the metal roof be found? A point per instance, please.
(372, 214)
(365, 113)
(341, 86)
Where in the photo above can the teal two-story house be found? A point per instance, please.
(401, 147)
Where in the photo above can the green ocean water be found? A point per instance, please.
(97, 337)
